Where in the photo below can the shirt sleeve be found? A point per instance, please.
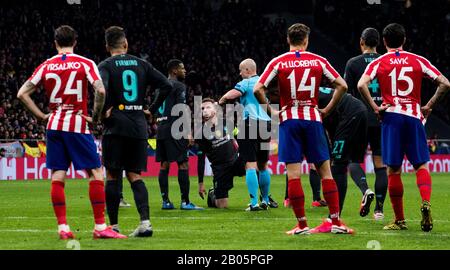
(92, 72)
(328, 71)
(37, 75)
(158, 81)
(240, 86)
(371, 69)
(104, 74)
(428, 69)
(350, 78)
(269, 73)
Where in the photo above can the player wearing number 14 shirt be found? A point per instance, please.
(299, 75)
(400, 75)
(124, 143)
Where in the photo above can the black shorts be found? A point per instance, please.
(253, 149)
(223, 177)
(350, 141)
(374, 139)
(124, 153)
(171, 150)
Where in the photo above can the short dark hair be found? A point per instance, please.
(371, 37)
(394, 34)
(297, 33)
(173, 64)
(208, 100)
(114, 36)
(65, 36)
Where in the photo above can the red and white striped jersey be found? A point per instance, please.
(299, 76)
(64, 78)
(400, 74)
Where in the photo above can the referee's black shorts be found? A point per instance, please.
(251, 148)
(350, 141)
(124, 153)
(172, 150)
(223, 177)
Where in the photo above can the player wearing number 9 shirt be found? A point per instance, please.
(299, 75)
(124, 143)
(64, 78)
(400, 75)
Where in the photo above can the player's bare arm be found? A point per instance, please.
(363, 87)
(259, 90)
(340, 89)
(99, 100)
(24, 95)
(230, 95)
(442, 89)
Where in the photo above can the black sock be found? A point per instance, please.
(112, 199)
(163, 179)
(340, 177)
(141, 198)
(183, 181)
(314, 181)
(286, 193)
(201, 166)
(120, 184)
(381, 186)
(358, 176)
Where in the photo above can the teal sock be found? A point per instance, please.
(252, 185)
(264, 184)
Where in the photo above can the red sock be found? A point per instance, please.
(297, 200)
(331, 195)
(395, 188)
(424, 184)
(59, 201)
(97, 197)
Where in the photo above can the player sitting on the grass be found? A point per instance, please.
(251, 149)
(400, 75)
(169, 149)
(222, 151)
(299, 75)
(124, 143)
(353, 71)
(65, 79)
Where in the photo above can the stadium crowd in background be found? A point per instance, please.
(215, 42)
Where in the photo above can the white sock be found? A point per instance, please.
(63, 227)
(100, 227)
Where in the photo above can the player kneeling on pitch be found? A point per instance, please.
(222, 151)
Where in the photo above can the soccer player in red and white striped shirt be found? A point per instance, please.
(65, 79)
(400, 75)
(299, 75)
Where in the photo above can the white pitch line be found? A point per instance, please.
(225, 218)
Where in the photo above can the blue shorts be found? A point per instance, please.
(302, 137)
(65, 147)
(400, 135)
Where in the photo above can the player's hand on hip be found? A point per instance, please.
(45, 118)
(147, 114)
(379, 111)
(324, 112)
(426, 111)
(201, 190)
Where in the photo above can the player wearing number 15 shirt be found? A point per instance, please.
(400, 75)
(299, 75)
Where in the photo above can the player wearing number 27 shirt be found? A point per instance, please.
(299, 75)
(400, 75)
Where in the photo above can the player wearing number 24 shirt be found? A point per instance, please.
(299, 75)
(400, 75)
(65, 78)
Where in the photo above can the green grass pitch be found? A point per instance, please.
(27, 220)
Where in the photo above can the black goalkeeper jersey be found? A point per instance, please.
(126, 79)
(353, 71)
(218, 145)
